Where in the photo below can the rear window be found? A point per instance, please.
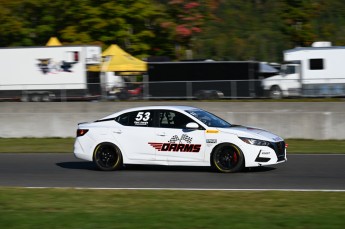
(143, 118)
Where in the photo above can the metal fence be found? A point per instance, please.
(202, 90)
(225, 89)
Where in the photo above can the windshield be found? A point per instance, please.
(209, 119)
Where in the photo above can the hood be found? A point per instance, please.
(252, 132)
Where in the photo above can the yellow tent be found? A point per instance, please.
(53, 41)
(117, 60)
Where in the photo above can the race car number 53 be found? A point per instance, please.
(141, 116)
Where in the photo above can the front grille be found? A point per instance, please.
(279, 149)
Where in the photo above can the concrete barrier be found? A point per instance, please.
(324, 120)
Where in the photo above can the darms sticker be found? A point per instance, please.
(177, 144)
(193, 148)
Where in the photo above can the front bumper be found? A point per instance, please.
(273, 154)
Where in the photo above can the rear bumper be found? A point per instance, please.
(80, 152)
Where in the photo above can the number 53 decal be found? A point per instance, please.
(143, 116)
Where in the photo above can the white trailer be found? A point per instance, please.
(49, 73)
(317, 71)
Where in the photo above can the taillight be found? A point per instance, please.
(81, 132)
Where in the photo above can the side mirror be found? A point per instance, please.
(192, 125)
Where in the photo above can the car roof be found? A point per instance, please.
(176, 108)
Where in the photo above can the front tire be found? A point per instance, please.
(228, 158)
(276, 92)
(107, 157)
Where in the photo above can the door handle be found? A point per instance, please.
(161, 134)
(117, 131)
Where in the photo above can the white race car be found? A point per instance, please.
(175, 135)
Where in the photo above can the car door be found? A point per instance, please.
(175, 143)
(133, 133)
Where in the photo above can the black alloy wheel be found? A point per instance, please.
(107, 157)
(228, 158)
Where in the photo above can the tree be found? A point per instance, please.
(297, 20)
(131, 24)
(212, 29)
(243, 30)
(186, 21)
(329, 25)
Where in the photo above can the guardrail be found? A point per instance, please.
(323, 120)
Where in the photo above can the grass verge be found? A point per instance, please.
(65, 145)
(69, 208)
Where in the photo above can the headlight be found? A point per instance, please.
(256, 142)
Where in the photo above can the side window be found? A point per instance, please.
(122, 119)
(291, 70)
(137, 118)
(173, 119)
(316, 64)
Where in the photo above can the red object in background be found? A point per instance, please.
(135, 91)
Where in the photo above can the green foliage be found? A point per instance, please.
(212, 29)
(130, 24)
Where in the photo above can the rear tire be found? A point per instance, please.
(107, 157)
(227, 158)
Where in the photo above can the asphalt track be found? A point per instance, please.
(300, 172)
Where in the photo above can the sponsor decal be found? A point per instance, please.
(211, 140)
(263, 156)
(193, 148)
(48, 65)
(265, 153)
(212, 131)
(184, 138)
(177, 144)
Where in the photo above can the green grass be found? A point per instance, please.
(36, 145)
(65, 145)
(69, 208)
(315, 146)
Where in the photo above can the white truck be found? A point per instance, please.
(317, 71)
(49, 73)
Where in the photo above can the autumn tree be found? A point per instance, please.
(212, 29)
(187, 18)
